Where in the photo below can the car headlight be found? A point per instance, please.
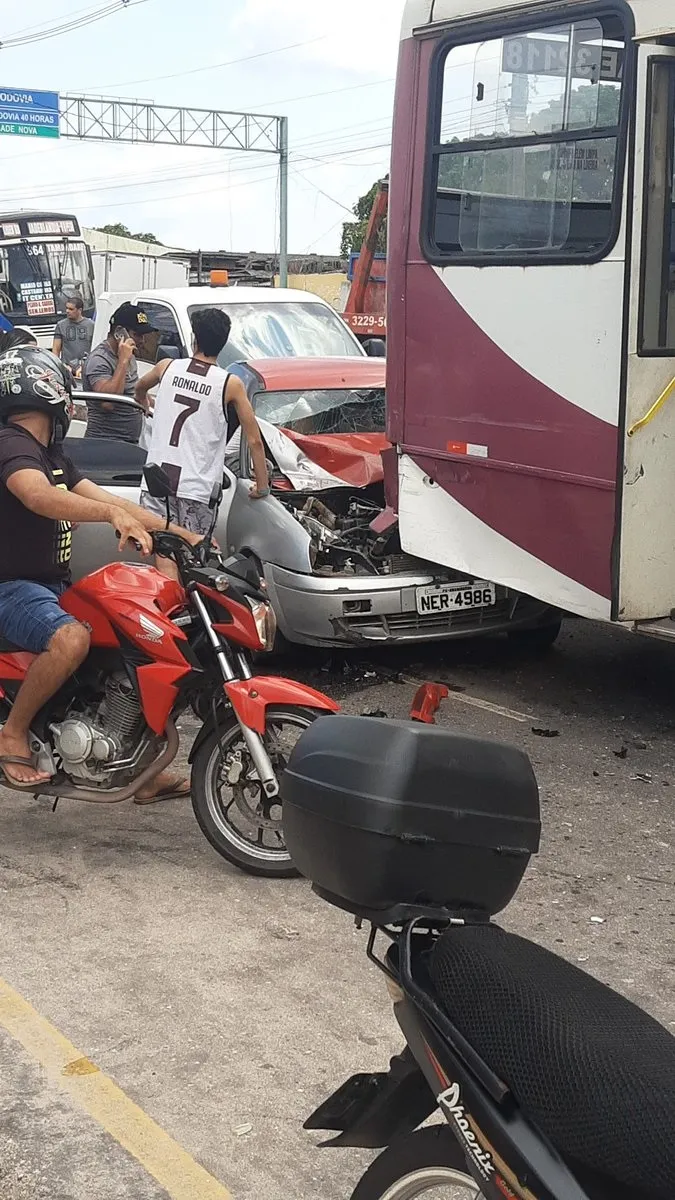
(265, 622)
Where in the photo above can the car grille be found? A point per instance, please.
(411, 624)
(400, 564)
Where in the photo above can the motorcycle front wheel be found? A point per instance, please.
(428, 1164)
(239, 821)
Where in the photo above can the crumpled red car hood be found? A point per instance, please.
(355, 458)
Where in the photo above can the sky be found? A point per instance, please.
(328, 65)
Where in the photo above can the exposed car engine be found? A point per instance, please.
(339, 525)
(104, 743)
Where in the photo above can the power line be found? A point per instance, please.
(124, 203)
(353, 87)
(233, 62)
(41, 24)
(53, 31)
(90, 186)
(168, 174)
(183, 195)
(321, 192)
(321, 236)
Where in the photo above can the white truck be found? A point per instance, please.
(266, 322)
(124, 272)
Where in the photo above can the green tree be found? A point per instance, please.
(582, 170)
(353, 232)
(119, 230)
(147, 237)
(591, 106)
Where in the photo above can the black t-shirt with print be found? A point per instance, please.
(32, 547)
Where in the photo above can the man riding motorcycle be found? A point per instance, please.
(42, 496)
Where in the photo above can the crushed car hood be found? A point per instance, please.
(316, 462)
(350, 458)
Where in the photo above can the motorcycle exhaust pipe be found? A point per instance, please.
(115, 795)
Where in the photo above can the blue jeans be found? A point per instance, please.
(30, 613)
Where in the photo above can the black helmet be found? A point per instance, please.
(34, 380)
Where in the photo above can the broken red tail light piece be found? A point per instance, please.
(427, 701)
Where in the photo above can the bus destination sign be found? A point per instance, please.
(27, 113)
(38, 225)
(546, 56)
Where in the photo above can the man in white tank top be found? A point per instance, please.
(190, 426)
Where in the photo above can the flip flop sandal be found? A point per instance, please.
(170, 792)
(18, 761)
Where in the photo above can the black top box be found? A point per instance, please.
(393, 819)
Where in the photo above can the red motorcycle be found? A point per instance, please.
(158, 648)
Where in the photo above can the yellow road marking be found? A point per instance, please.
(97, 1095)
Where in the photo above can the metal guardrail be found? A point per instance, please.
(106, 398)
(651, 412)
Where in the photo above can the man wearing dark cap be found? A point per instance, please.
(111, 368)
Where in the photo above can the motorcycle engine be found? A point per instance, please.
(95, 745)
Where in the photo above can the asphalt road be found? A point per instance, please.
(228, 1007)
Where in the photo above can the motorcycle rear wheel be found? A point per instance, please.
(427, 1164)
(241, 826)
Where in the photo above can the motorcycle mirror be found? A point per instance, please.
(157, 482)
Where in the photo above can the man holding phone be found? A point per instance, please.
(111, 369)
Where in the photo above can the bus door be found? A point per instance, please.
(645, 566)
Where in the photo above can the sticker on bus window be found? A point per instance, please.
(40, 308)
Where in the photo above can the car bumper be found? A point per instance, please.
(322, 611)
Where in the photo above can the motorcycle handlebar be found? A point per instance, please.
(172, 545)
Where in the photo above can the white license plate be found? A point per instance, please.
(448, 597)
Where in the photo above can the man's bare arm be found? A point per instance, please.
(117, 382)
(236, 394)
(39, 496)
(149, 520)
(150, 380)
(57, 346)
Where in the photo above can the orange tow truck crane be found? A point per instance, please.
(365, 311)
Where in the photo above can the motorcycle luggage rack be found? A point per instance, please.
(493, 1085)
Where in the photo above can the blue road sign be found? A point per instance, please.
(28, 113)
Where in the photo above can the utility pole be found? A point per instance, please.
(283, 202)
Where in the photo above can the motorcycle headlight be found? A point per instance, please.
(265, 622)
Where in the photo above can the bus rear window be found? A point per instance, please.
(525, 157)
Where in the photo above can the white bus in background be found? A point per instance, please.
(47, 257)
(43, 260)
(531, 276)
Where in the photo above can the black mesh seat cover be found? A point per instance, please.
(593, 1071)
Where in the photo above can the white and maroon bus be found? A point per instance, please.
(532, 298)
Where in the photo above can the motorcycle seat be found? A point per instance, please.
(593, 1071)
(7, 647)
